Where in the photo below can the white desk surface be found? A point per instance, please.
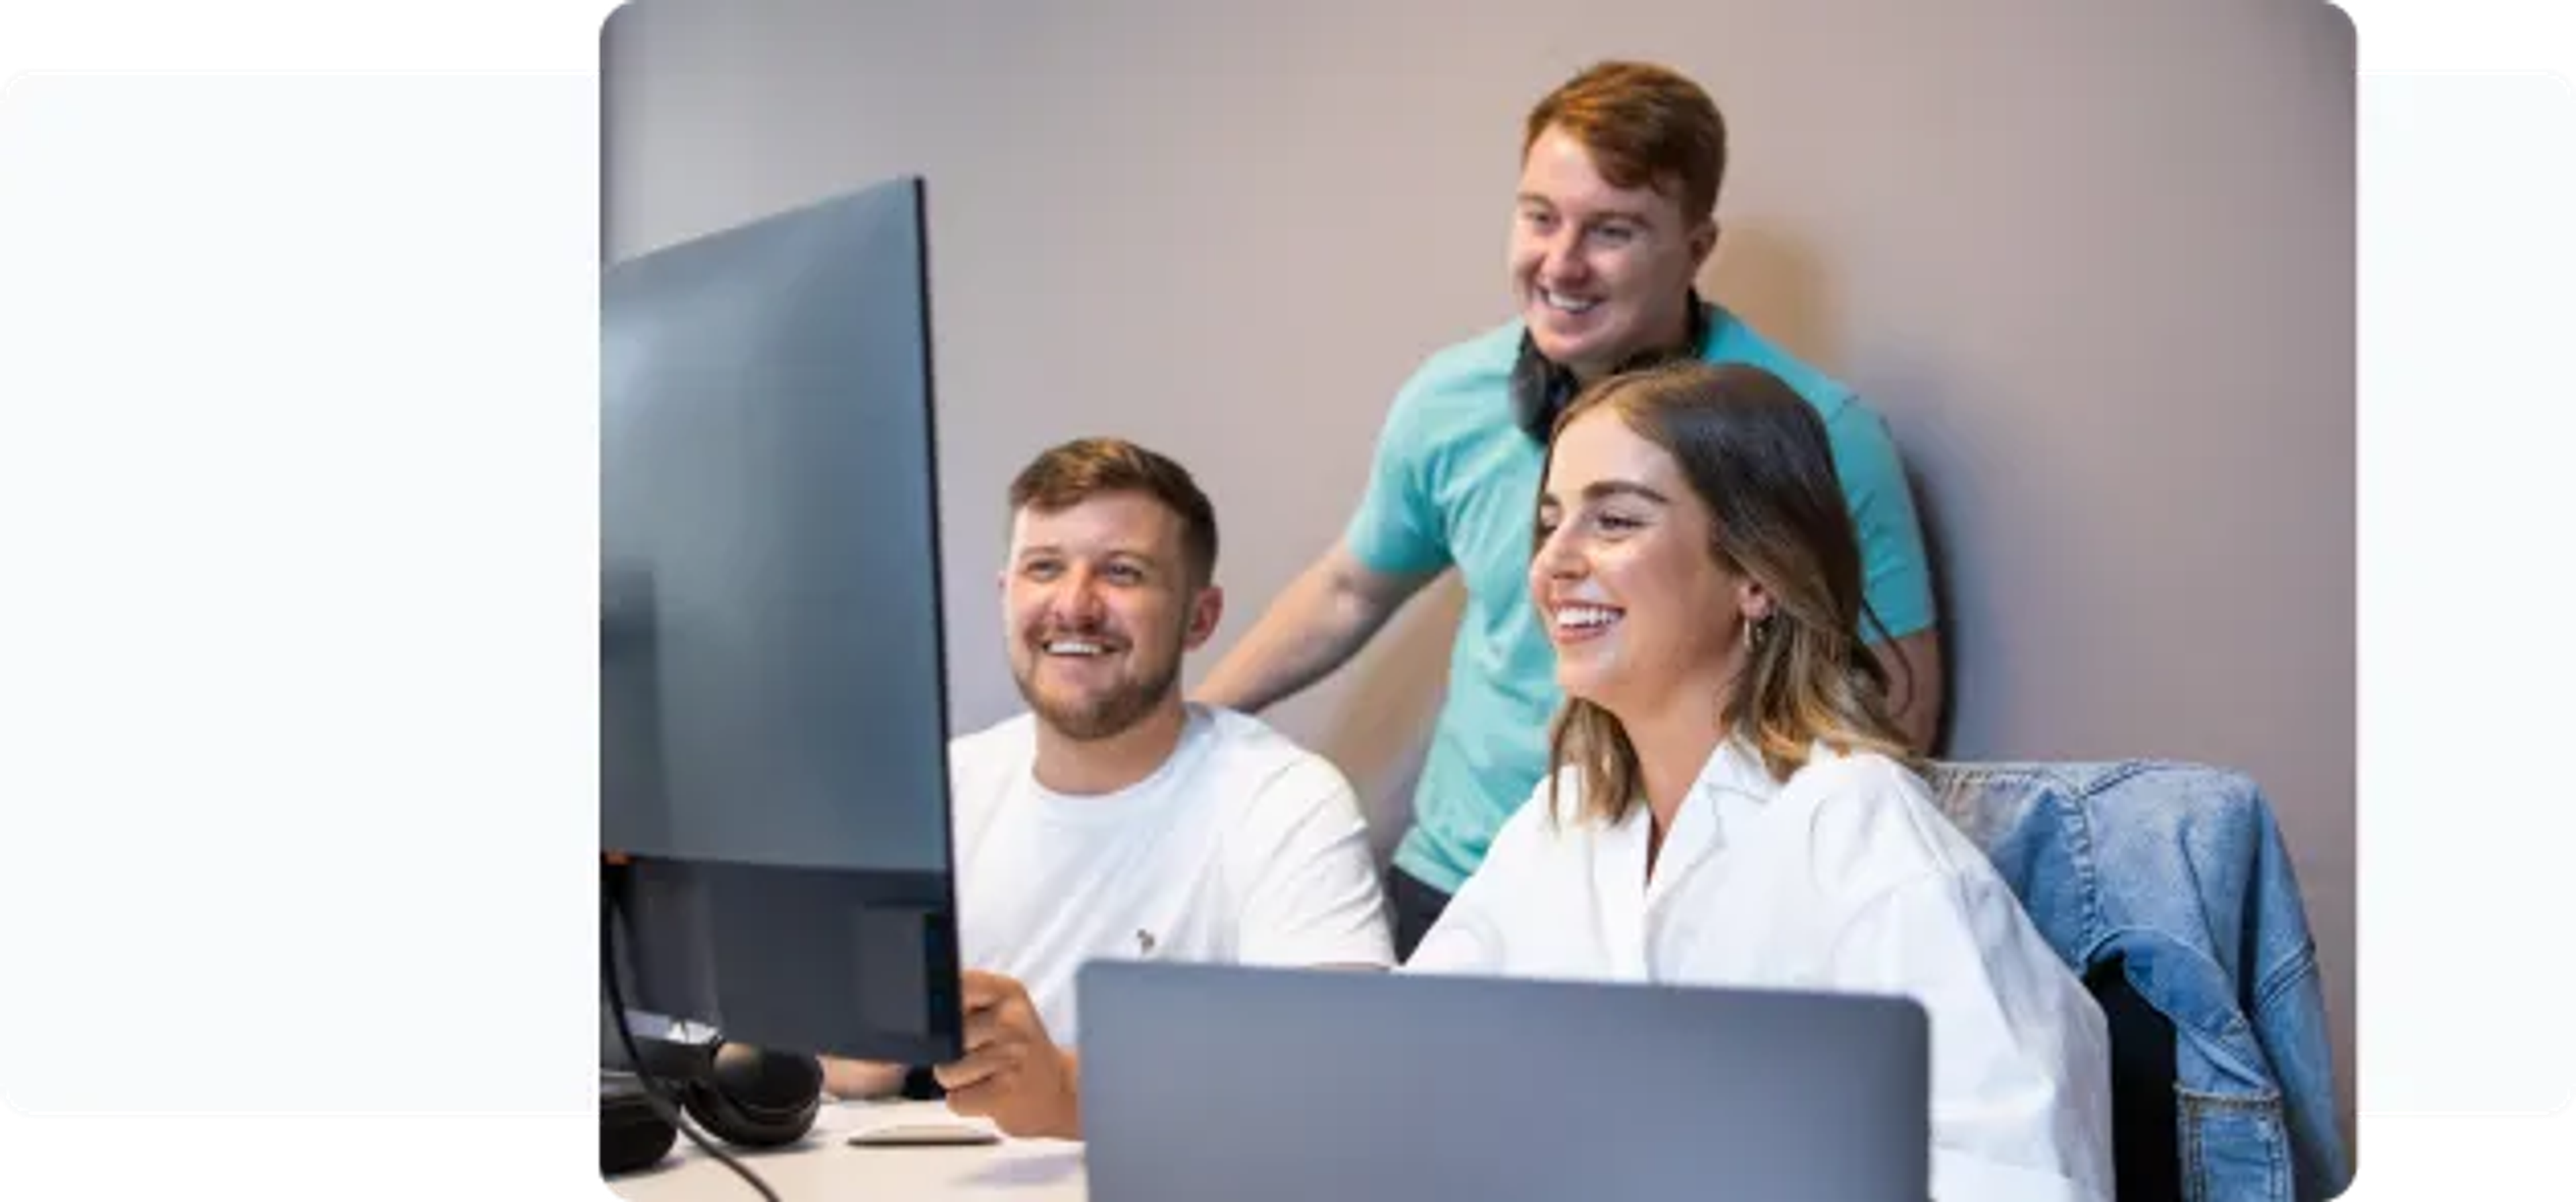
(824, 1167)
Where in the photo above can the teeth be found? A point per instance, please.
(1584, 617)
(1073, 647)
(1566, 304)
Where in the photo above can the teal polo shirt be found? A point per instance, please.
(1455, 483)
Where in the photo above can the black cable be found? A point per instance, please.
(662, 1107)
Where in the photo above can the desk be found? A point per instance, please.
(822, 1166)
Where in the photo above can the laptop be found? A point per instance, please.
(1208, 1082)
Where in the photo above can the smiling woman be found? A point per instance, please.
(1728, 801)
(1698, 573)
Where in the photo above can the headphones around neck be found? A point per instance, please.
(1541, 389)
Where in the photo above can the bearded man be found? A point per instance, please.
(1114, 818)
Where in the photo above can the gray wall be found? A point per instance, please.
(2094, 262)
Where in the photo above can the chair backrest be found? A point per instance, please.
(2146, 1156)
(2146, 1152)
(2164, 887)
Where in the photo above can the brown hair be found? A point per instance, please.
(1757, 456)
(1646, 126)
(1066, 475)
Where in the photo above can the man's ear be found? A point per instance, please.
(1206, 607)
(1703, 242)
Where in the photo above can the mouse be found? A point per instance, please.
(931, 1134)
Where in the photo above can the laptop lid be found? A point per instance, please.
(1273, 1085)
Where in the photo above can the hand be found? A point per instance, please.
(1013, 1073)
(861, 1078)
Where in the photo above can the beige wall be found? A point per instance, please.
(2094, 262)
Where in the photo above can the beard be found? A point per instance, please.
(1102, 715)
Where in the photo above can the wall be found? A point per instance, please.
(2094, 262)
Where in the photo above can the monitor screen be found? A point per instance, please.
(773, 721)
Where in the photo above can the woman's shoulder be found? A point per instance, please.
(1869, 821)
(1548, 823)
(1856, 772)
(1554, 808)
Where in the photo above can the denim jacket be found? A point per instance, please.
(2178, 871)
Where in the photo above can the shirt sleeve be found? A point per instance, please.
(1398, 529)
(1467, 939)
(1897, 571)
(2020, 1054)
(1308, 889)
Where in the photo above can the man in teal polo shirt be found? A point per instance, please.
(1619, 176)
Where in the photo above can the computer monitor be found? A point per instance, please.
(773, 716)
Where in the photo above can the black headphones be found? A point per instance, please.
(737, 1093)
(743, 1095)
(754, 1099)
(1542, 389)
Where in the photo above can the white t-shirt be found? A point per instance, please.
(1845, 879)
(1243, 848)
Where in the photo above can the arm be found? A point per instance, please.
(1395, 542)
(2020, 1053)
(1466, 941)
(1897, 567)
(1498, 910)
(1896, 564)
(1323, 618)
(1309, 893)
(1914, 686)
(860, 1078)
(2020, 1097)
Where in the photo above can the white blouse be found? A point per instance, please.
(1844, 879)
